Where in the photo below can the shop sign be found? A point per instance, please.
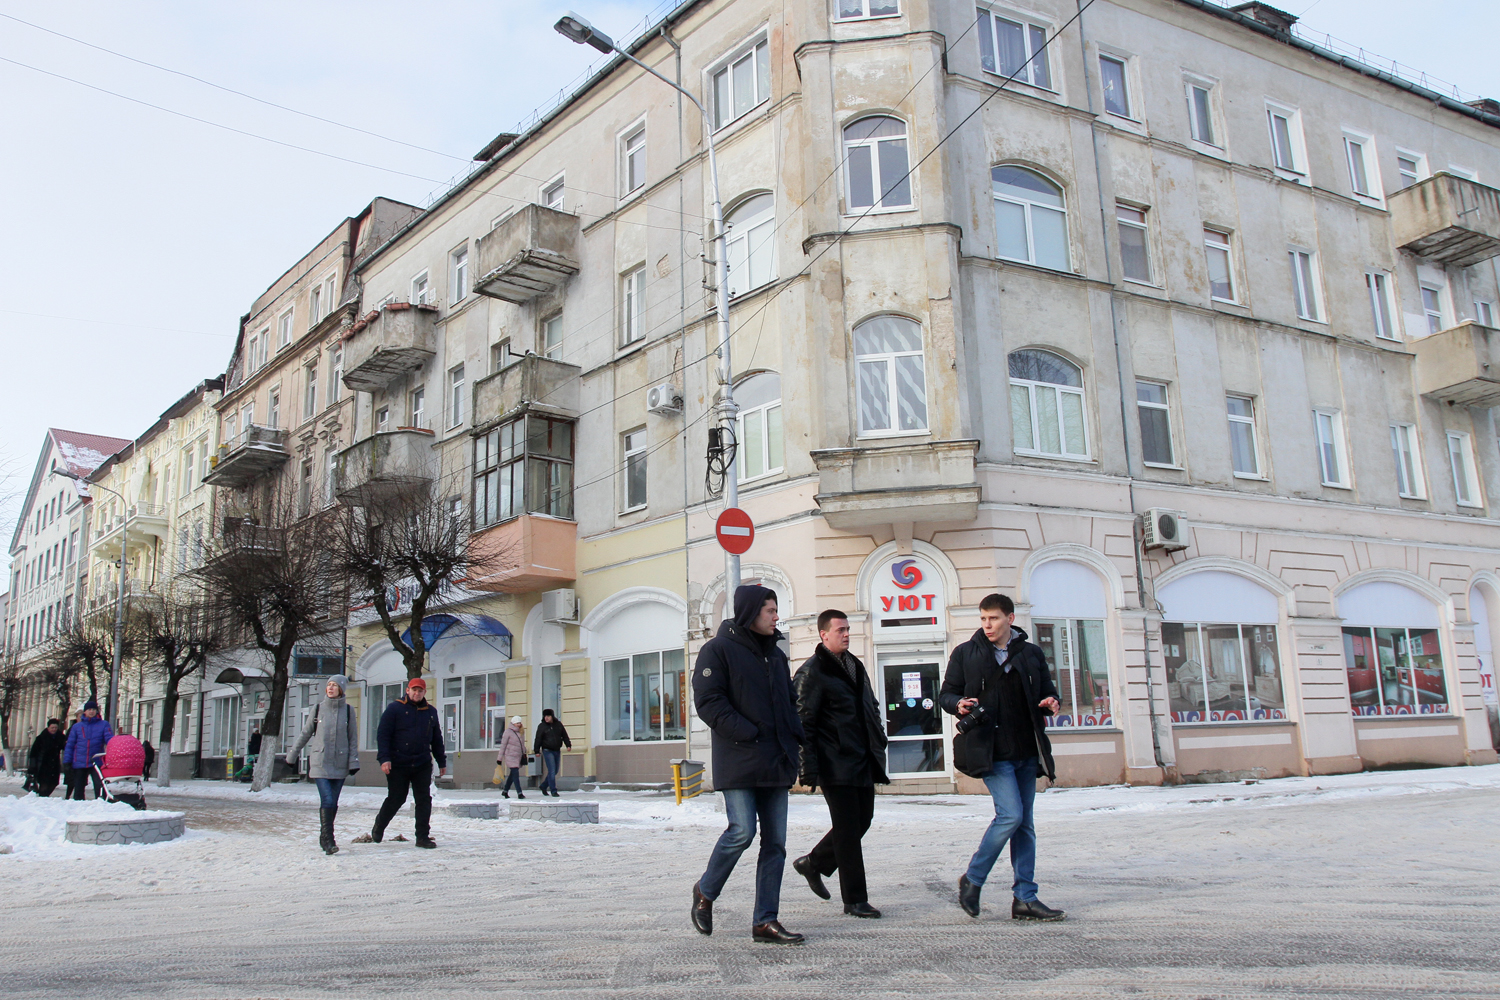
(907, 594)
(1487, 680)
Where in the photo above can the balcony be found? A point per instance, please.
(532, 384)
(532, 252)
(244, 540)
(385, 464)
(1460, 365)
(140, 523)
(927, 482)
(391, 342)
(252, 453)
(526, 553)
(106, 594)
(1448, 219)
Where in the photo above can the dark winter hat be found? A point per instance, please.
(547, 711)
(54, 722)
(748, 600)
(91, 703)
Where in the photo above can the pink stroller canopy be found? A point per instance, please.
(123, 757)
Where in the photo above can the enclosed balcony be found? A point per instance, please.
(139, 525)
(393, 341)
(526, 553)
(385, 464)
(252, 453)
(1448, 219)
(1460, 365)
(532, 252)
(531, 384)
(885, 484)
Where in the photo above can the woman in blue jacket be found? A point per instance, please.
(87, 737)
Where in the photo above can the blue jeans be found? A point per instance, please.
(551, 761)
(743, 806)
(1012, 785)
(513, 777)
(328, 792)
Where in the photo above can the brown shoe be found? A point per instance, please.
(771, 932)
(702, 913)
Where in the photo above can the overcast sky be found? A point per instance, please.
(132, 239)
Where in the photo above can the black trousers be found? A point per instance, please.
(851, 808)
(78, 778)
(416, 778)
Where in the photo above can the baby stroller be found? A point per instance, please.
(119, 770)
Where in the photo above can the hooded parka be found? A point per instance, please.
(86, 738)
(331, 737)
(845, 738)
(973, 673)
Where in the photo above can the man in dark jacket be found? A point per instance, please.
(408, 740)
(551, 737)
(845, 755)
(44, 763)
(742, 687)
(1002, 680)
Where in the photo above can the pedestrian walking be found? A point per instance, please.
(332, 740)
(150, 758)
(86, 737)
(999, 686)
(551, 737)
(408, 740)
(844, 755)
(44, 762)
(512, 756)
(742, 687)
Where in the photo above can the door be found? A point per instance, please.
(453, 695)
(913, 720)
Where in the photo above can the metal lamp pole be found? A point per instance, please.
(576, 29)
(112, 714)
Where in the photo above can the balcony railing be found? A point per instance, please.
(531, 384)
(532, 252)
(393, 341)
(249, 455)
(1448, 219)
(385, 463)
(140, 523)
(244, 539)
(1460, 365)
(926, 482)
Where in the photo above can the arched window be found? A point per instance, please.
(876, 163)
(1219, 641)
(1392, 651)
(1068, 608)
(891, 379)
(1046, 405)
(749, 233)
(759, 399)
(1031, 221)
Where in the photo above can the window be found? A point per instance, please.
(315, 304)
(1116, 91)
(1075, 651)
(1304, 287)
(421, 292)
(633, 161)
(284, 328)
(226, 726)
(335, 373)
(645, 697)
(1329, 426)
(419, 407)
(1220, 269)
(633, 452)
(1378, 284)
(875, 162)
(1484, 312)
(1362, 167)
(1408, 463)
(1465, 476)
(524, 466)
(377, 697)
(1411, 167)
(1432, 307)
(252, 353)
(310, 398)
(455, 395)
(460, 283)
(632, 306)
(1046, 405)
(1286, 139)
(1156, 423)
(741, 83)
(1222, 673)
(1014, 49)
(1135, 254)
(1031, 223)
(750, 230)
(382, 420)
(188, 457)
(552, 338)
(1395, 671)
(850, 10)
(483, 708)
(1200, 98)
(305, 488)
(759, 432)
(197, 544)
(553, 194)
(330, 476)
(891, 379)
(273, 410)
(500, 356)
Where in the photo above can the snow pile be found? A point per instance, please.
(29, 824)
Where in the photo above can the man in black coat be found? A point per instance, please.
(845, 755)
(550, 738)
(742, 687)
(44, 762)
(999, 686)
(408, 740)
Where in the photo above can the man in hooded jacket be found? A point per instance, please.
(742, 689)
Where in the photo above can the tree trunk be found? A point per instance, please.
(265, 764)
(164, 741)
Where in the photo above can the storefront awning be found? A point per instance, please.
(436, 627)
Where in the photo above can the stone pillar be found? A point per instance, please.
(1145, 702)
(1317, 688)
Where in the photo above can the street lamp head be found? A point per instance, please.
(576, 29)
(66, 474)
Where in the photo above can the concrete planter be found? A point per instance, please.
(127, 830)
(556, 812)
(473, 810)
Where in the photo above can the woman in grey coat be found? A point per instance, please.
(332, 741)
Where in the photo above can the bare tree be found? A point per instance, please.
(175, 635)
(12, 682)
(85, 647)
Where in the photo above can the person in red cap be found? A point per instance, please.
(408, 740)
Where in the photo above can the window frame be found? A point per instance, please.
(1436, 315)
(1307, 298)
(456, 384)
(1126, 84)
(1379, 287)
(741, 436)
(1062, 648)
(1210, 88)
(1242, 642)
(1473, 496)
(1027, 206)
(310, 390)
(1369, 163)
(1296, 143)
(422, 296)
(335, 373)
(1143, 226)
(735, 240)
(608, 675)
(458, 273)
(273, 409)
(1484, 313)
(888, 360)
(751, 49)
(417, 406)
(634, 448)
(1406, 451)
(1381, 709)
(382, 419)
(866, 6)
(284, 321)
(1227, 248)
(633, 306)
(1164, 407)
(1335, 439)
(492, 463)
(551, 348)
(1031, 386)
(628, 150)
(1420, 170)
(877, 180)
(988, 39)
(544, 195)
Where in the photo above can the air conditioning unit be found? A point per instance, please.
(1164, 529)
(560, 607)
(664, 399)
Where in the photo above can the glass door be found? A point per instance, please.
(453, 693)
(913, 720)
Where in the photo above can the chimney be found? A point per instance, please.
(1488, 105)
(1277, 20)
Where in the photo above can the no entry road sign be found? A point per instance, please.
(735, 531)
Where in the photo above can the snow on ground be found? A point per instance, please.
(32, 825)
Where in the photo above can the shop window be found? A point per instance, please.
(483, 710)
(524, 466)
(1222, 673)
(1046, 405)
(1080, 668)
(226, 726)
(645, 697)
(1395, 671)
(377, 697)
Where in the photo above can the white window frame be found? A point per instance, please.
(632, 159)
(1436, 314)
(555, 190)
(1210, 87)
(1225, 246)
(273, 409)
(1465, 470)
(1420, 172)
(1126, 81)
(865, 7)
(1143, 226)
(310, 390)
(757, 52)
(1328, 434)
(417, 402)
(455, 396)
(1484, 312)
(633, 306)
(633, 448)
(1383, 312)
(335, 373)
(750, 245)
(1027, 205)
(1406, 450)
(284, 326)
(1037, 52)
(330, 477)
(552, 337)
(1363, 158)
(501, 356)
(888, 359)
(382, 420)
(1288, 159)
(763, 412)
(252, 347)
(1163, 407)
(458, 267)
(421, 289)
(1033, 388)
(878, 183)
(1307, 297)
(314, 303)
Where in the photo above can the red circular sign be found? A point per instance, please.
(735, 531)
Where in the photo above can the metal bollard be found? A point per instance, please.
(687, 779)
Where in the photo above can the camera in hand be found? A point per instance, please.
(977, 716)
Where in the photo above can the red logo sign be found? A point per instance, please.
(906, 574)
(735, 531)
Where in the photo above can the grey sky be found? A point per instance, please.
(132, 239)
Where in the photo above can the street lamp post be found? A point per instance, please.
(576, 29)
(112, 713)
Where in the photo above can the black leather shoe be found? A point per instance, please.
(771, 932)
(702, 912)
(1033, 910)
(968, 895)
(426, 842)
(803, 866)
(861, 910)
